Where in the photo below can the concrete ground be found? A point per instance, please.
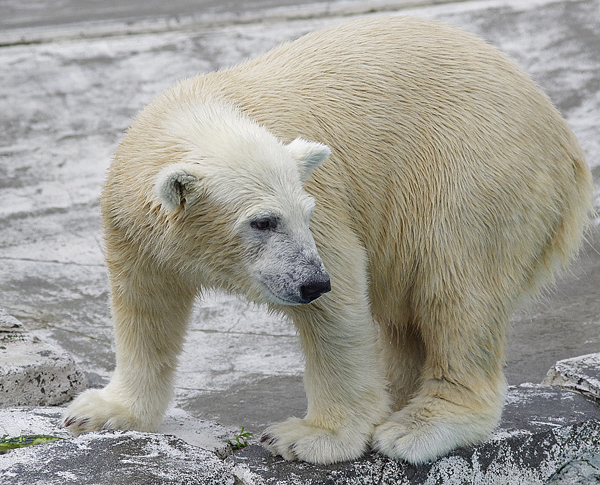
(64, 104)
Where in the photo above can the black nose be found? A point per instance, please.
(314, 290)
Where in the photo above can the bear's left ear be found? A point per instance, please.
(176, 184)
(308, 155)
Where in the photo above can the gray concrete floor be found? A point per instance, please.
(44, 13)
(64, 105)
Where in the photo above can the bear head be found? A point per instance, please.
(241, 193)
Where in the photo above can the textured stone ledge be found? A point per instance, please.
(542, 433)
(548, 435)
(578, 373)
(33, 372)
(195, 455)
(116, 458)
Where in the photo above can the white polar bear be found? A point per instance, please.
(453, 188)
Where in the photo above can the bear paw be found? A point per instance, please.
(95, 410)
(297, 439)
(418, 437)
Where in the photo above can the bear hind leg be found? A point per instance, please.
(462, 387)
(404, 357)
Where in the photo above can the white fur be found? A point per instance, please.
(176, 182)
(308, 155)
(453, 188)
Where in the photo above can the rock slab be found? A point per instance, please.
(116, 458)
(207, 435)
(33, 372)
(578, 373)
(548, 435)
(542, 433)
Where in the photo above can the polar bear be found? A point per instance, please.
(441, 186)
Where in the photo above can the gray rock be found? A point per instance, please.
(547, 435)
(33, 372)
(116, 458)
(579, 374)
(583, 470)
(48, 420)
(207, 435)
(542, 430)
(32, 420)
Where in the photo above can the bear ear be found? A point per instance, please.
(175, 184)
(308, 155)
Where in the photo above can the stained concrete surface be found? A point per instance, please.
(16, 14)
(51, 20)
(63, 107)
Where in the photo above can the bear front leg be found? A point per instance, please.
(344, 378)
(462, 389)
(150, 313)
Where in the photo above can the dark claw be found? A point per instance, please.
(292, 450)
(69, 422)
(268, 439)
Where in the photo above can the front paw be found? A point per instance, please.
(421, 435)
(297, 439)
(97, 409)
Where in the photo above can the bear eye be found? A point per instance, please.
(264, 223)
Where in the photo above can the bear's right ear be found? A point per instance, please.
(308, 155)
(175, 184)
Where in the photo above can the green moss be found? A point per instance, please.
(7, 444)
